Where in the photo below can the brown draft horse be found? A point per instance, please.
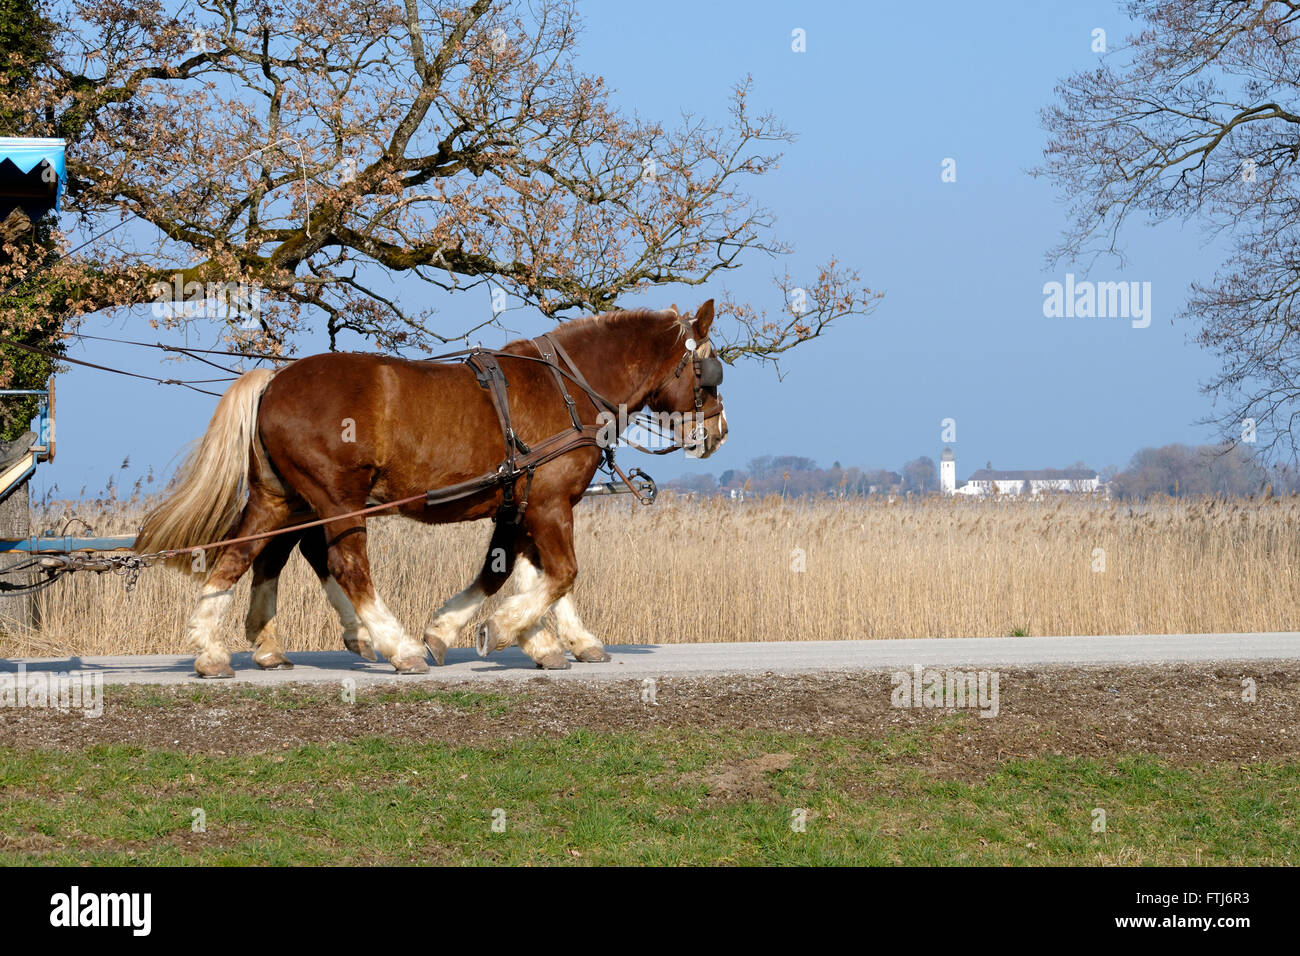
(333, 433)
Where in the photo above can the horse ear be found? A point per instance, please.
(703, 320)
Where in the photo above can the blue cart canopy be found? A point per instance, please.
(32, 174)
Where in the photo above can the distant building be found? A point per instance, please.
(991, 481)
(947, 472)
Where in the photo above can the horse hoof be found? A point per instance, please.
(359, 647)
(554, 662)
(273, 661)
(592, 655)
(213, 670)
(489, 639)
(437, 648)
(412, 665)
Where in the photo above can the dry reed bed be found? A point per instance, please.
(684, 571)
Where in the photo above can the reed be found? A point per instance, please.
(775, 570)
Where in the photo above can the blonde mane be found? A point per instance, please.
(605, 319)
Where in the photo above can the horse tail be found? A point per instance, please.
(212, 484)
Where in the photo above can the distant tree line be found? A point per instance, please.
(1181, 471)
(1188, 471)
(795, 476)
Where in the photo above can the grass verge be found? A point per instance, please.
(659, 796)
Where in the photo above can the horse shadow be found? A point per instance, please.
(168, 668)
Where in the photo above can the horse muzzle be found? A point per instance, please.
(704, 438)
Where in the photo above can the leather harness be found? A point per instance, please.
(521, 460)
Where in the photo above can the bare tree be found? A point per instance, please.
(1197, 117)
(1182, 470)
(921, 475)
(316, 152)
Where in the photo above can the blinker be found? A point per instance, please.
(710, 372)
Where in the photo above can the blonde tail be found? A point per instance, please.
(212, 483)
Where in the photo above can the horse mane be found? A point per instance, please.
(606, 319)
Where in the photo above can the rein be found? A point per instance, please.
(190, 384)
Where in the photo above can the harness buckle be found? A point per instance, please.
(515, 440)
(644, 486)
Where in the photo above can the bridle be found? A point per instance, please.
(707, 373)
(707, 370)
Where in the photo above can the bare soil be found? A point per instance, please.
(1187, 714)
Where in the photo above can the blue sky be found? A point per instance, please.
(879, 100)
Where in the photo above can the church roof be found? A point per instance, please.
(1040, 474)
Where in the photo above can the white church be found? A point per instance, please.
(990, 481)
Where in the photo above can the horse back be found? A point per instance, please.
(375, 427)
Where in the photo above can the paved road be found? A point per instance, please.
(633, 661)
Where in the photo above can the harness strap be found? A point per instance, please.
(545, 348)
(521, 461)
(600, 401)
(576, 373)
(554, 447)
(632, 443)
(490, 377)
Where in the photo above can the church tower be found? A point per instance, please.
(947, 472)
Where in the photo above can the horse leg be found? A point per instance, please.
(545, 573)
(355, 637)
(446, 624)
(262, 513)
(581, 643)
(259, 625)
(575, 637)
(349, 564)
(538, 641)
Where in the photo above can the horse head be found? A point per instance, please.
(689, 395)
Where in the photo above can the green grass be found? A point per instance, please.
(634, 798)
